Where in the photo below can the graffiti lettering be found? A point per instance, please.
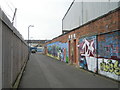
(110, 67)
(88, 48)
(117, 68)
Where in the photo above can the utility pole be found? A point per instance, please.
(28, 41)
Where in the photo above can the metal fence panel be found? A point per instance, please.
(14, 53)
(0, 51)
(6, 45)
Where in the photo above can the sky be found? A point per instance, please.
(45, 15)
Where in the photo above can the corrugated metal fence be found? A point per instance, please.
(14, 52)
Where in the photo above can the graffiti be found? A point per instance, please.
(110, 67)
(109, 55)
(87, 48)
(109, 46)
(58, 50)
(83, 62)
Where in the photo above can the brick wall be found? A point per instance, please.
(91, 33)
(104, 24)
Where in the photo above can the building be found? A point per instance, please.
(39, 44)
(93, 45)
(80, 13)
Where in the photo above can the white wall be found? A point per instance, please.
(82, 12)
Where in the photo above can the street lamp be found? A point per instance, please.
(28, 41)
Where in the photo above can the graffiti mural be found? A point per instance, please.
(109, 55)
(109, 68)
(87, 57)
(58, 50)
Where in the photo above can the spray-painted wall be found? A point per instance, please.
(109, 55)
(87, 53)
(101, 54)
(95, 46)
(58, 50)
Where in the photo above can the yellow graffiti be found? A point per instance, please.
(117, 69)
(110, 67)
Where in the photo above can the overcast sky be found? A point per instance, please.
(45, 15)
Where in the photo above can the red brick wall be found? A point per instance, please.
(104, 24)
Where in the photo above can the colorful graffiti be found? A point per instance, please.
(109, 46)
(58, 50)
(109, 66)
(96, 53)
(87, 48)
(109, 55)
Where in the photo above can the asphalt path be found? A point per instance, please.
(45, 72)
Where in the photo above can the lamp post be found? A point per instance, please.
(28, 41)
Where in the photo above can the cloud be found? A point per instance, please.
(45, 15)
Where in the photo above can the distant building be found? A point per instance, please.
(37, 43)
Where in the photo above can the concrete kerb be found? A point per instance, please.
(17, 82)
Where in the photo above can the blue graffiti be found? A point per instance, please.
(109, 47)
(58, 50)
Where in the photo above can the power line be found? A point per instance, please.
(12, 4)
(12, 9)
(9, 6)
(9, 16)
